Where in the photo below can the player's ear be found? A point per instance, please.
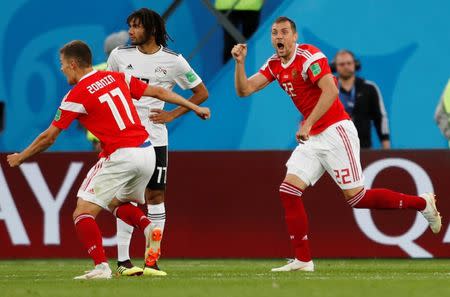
(73, 64)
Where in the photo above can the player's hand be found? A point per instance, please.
(159, 116)
(203, 112)
(302, 134)
(239, 52)
(14, 160)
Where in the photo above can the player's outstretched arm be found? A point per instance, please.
(40, 144)
(171, 97)
(199, 95)
(245, 86)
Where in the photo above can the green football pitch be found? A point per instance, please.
(216, 278)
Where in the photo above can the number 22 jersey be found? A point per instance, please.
(299, 77)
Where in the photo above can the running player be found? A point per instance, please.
(101, 101)
(149, 59)
(328, 140)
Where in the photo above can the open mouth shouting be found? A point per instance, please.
(280, 46)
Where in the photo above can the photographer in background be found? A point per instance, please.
(362, 100)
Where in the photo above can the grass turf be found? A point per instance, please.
(217, 278)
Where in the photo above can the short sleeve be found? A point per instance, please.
(137, 87)
(267, 72)
(67, 112)
(317, 69)
(185, 76)
(112, 64)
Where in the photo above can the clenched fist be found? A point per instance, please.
(239, 52)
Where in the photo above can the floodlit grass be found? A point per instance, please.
(217, 278)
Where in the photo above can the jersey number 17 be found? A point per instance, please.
(108, 98)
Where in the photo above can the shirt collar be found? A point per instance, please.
(155, 53)
(87, 74)
(292, 58)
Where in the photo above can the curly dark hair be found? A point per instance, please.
(153, 23)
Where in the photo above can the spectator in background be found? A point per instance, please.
(244, 15)
(362, 100)
(111, 42)
(442, 115)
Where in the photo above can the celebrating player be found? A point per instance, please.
(151, 61)
(328, 140)
(101, 101)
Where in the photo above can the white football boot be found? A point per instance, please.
(295, 265)
(431, 213)
(101, 271)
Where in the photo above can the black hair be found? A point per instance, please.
(282, 19)
(153, 24)
(79, 51)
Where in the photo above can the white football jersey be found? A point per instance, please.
(164, 68)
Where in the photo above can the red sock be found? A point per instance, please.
(296, 220)
(386, 199)
(132, 215)
(89, 234)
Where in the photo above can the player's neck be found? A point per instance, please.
(82, 72)
(287, 58)
(149, 48)
(347, 84)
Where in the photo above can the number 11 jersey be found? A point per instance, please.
(102, 103)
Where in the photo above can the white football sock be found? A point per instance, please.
(124, 232)
(157, 215)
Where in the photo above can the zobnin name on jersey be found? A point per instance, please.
(100, 84)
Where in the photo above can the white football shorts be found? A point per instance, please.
(123, 175)
(335, 150)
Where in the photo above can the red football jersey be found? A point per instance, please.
(101, 101)
(299, 79)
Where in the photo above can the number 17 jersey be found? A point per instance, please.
(102, 103)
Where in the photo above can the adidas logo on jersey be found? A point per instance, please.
(130, 67)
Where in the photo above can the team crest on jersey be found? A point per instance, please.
(294, 73)
(160, 72)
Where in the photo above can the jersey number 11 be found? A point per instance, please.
(108, 98)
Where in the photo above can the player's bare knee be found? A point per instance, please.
(351, 193)
(114, 204)
(295, 181)
(86, 207)
(155, 196)
(79, 211)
